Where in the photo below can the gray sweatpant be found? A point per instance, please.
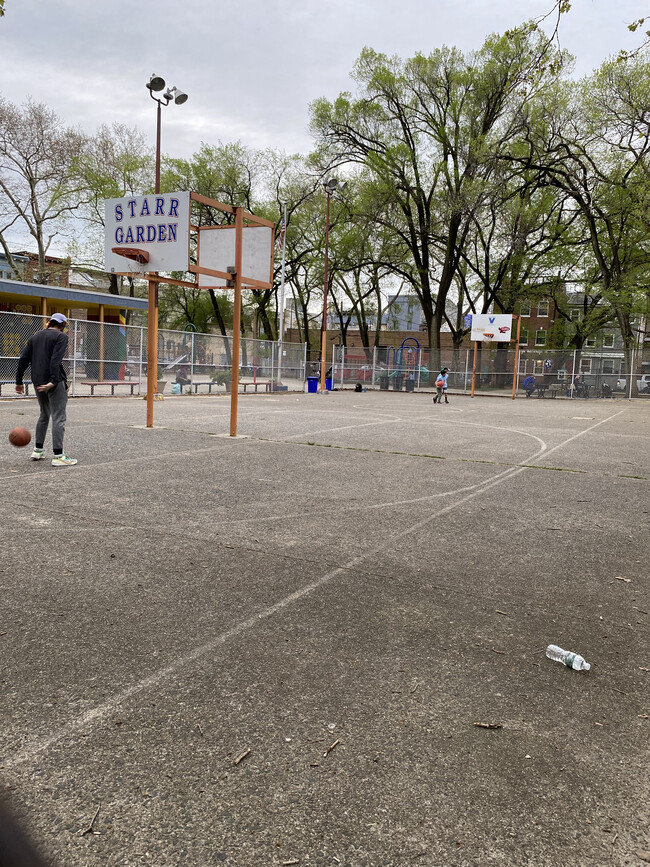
(52, 403)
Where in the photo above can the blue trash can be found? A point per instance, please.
(328, 384)
(312, 384)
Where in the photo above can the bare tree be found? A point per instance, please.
(39, 175)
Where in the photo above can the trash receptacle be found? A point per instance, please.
(328, 384)
(312, 384)
(383, 383)
(398, 381)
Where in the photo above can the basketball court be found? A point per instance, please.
(275, 648)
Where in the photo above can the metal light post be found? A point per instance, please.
(329, 187)
(155, 85)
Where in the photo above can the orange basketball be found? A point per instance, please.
(20, 437)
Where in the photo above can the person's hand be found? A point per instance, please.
(47, 387)
(20, 389)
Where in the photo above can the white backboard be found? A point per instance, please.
(492, 327)
(159, 224)
(217, 252)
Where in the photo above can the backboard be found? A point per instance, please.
(155, 228)
(492, 327)
(217, 252)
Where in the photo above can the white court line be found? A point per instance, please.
(92, 717)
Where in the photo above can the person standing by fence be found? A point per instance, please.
(44, 353)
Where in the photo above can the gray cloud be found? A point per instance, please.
(251, 68)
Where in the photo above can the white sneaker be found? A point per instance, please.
(63, 461)
(38, 454)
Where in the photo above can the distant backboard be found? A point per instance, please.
(156, 229)
(492, 327)
(217, 252)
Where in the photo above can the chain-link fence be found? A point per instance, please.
(111, 358)
(563, 373)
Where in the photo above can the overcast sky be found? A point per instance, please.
(250, 67)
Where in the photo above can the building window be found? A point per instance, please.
(576, 315)
(608, 340)
(540, 337)
(524, 309)
(523, 337)
(585, 365)
(590, 341)
(608, 365)
(542, 308)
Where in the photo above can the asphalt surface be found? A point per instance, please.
(275, 649)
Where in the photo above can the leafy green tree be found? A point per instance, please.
(593, 143)
(428, 129)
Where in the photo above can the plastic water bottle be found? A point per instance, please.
(571, 660)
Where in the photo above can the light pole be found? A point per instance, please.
(329, 187)
(155, 85)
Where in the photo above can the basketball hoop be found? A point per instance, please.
(139, 256)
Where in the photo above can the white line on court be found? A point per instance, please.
(98, 714)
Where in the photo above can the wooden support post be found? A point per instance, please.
(152, 350)
(236, 324)
(516, 370)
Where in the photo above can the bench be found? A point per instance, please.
(114, 383)
(12, 382)
(268, 386)
(556, 388)
(197, 385)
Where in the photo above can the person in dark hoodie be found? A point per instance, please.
(44, 353)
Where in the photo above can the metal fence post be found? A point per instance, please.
(374, 365)
(466, 370)
(631, 373)
(74, 359)
(304, 366)
(419, 364)
(573, 374)
(140, 360)
(342, 363)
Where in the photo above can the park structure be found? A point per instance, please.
(154, 235)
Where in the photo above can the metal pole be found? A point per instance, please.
(466, 367)
(74, 359)
(140, 360)
(282, 293)
(236, 324)
(101, 343)
(304, 365)
(323, 348)
(631, 374)
(152, 311)
(192, 363)
(573, 372)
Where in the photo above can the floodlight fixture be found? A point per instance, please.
(180, 97)
(156, 82)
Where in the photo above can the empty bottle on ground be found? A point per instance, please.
(566, 657)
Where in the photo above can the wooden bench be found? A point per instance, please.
(114, 383)
(255, 385)
(209, 385)
(12, 382)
